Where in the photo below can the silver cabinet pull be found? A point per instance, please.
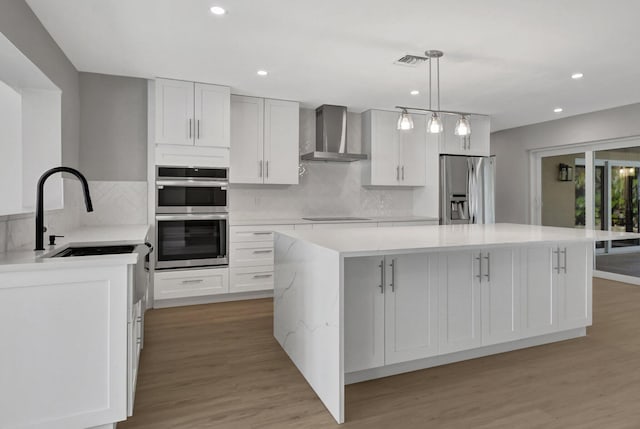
(557, 253)
(393, 275)
(262, 251)
(403, 172)
(267, 170)
(262, 233)
(259, 168)
(397, 172)
(381, 266)
(198, 122)
(192, 281)
(189, 128)
(262, 276)
(488, 258)
(479, 259)
(564, 267)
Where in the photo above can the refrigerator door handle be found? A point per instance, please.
(471, 197)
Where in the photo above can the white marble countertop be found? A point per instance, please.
(27, 259)
(386, 240)
(247, 221)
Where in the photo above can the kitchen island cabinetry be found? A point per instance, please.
(358, 304)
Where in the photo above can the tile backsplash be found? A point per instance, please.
(114, 203)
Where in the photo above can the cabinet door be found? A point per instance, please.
(363, 313)
(478, 143)
(459, 302)
(413, 153)
(212, 115)
(247, 123)
(385, 149)
(500, 285)
(539, 284)
(174, 112)
(575, 285)
(281, 137)
(411, 307)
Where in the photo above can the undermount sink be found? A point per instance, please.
(335, 218)
(94, 251)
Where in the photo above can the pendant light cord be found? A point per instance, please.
(429, 83)
(438, 77)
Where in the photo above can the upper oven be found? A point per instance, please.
(191, 190)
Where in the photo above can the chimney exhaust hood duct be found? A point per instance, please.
(331, 136)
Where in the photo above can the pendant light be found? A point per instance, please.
(434, 126)
(463, 127)
(405, 121)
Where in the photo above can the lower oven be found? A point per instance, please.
(191, 240)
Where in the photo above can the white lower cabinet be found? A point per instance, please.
(364, 313)
(390, 310)
(406, 307)
(190, 283)
(460, 320)
(411, 307)
(248, 279)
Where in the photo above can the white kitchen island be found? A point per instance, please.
(357, 304)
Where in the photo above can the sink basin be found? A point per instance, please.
(334, 219)
(93, 251)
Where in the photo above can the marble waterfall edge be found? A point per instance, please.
(308, 316)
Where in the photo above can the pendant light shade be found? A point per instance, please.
(463, 127)
(405, 121)
(434, 126)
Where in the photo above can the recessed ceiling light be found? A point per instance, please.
(262, 73)
(415, 92)
(217, 10)
(577, 76)
(557, 109)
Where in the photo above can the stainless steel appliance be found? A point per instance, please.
(192, 219)
(191, 240)
(191, 190)
(331, 136)
(467, 185)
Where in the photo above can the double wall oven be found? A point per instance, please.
(192, 217)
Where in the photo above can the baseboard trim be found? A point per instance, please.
(415, 365)
(616, 277)
(212, 299)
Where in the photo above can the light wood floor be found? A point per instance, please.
(218, 366)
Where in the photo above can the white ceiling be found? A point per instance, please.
(509, 58)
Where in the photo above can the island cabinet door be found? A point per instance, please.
(459, 302)
(363, 313)
(411, 307)
(497, 272)
(575, 285)
(539, 267)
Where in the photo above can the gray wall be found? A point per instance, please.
(20, 25)
(511, 149)
(113, 127)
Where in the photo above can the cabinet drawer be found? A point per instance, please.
(262, 233)
(251, 279)
(189, 283)
(251, 254)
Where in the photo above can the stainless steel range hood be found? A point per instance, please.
(331, 136)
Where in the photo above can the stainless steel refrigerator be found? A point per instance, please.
(467, 187)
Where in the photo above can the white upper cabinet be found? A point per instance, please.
(281, 136)
(191, 114)
(396, 158)
(212, 107)
(247, 139)
(264, 141)
(476, 144)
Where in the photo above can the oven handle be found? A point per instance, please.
(192, 183)
(192, 217)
